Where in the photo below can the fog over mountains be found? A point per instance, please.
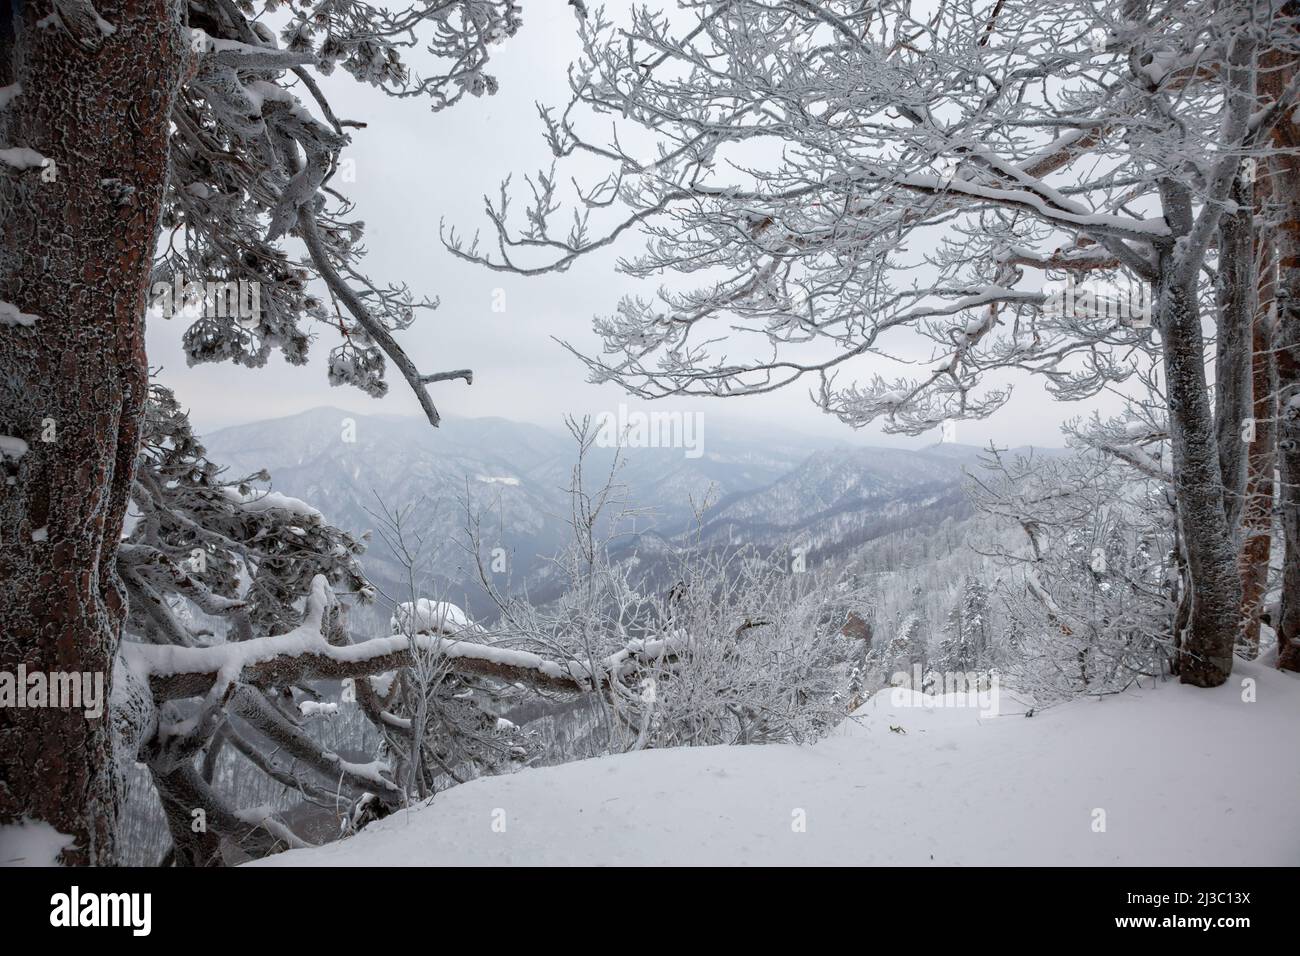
(769, 489)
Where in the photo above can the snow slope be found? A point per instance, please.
(31, 843)
(1185, 776)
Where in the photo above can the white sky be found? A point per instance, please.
(414, 167)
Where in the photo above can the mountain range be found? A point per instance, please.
(768, 489)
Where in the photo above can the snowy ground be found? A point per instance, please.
(1184, 776)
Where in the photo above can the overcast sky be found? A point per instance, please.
(415, 167)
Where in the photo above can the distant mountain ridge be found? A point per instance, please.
(764, 489)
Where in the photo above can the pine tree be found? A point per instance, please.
(118, 119)
(965, 642)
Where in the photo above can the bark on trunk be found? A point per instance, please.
(182, 791)
(202, 826)
(76, 242)
(1205, 650)
(1257, 511)
(1284, 180)
(1235, 296)
(1286, 187)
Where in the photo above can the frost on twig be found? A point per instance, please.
(837, 214)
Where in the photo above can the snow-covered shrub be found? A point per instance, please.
(741, 647)
(455, 718)
(1089, 598)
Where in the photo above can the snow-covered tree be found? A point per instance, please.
(439, 727)
(738, 648)
(908, 649)
(238, 599)
(1091, 593)
(204, 118)
(966, 638)
(833, 175)
(1279, 300)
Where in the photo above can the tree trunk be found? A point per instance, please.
(75, 251)
(1257, 510)
(1205, 650)
(1286, 188)
(1235, 295)
(1284, 180)
(196, 839)
(200, 823)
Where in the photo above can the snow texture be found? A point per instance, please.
(31, 843)
(21, 157)
(898, 786)
(12, 448)
(429, 617)
(10, 314)
(228, 660)
(311, 708)
(272, 501)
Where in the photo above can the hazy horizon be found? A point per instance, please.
(734, 427)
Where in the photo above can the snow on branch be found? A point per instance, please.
(10, 314)
(829, 199)
(21, 157)
(253, 169)
(304, 654)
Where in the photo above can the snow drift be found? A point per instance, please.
(1165, 775)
